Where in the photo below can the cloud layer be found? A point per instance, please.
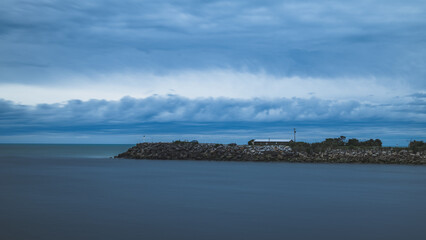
(203, 84)
(127, 113)
(211, 67)
(44, 41)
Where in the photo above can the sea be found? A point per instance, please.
(80, 192)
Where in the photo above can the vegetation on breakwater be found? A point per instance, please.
(353, 144)
(335, 143)
(329, 151)
(417, 146)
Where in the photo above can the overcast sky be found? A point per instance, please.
(211, 68)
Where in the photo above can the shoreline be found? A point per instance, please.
(270, 153)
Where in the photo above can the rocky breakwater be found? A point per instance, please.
(234, 152)
(207, 151)
(373, 155)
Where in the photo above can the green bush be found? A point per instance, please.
(334, 143)
(417, 146)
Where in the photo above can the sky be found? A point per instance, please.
(217, 71)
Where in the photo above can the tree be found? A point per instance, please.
(417, 146)
(340, 141)
(353, 142)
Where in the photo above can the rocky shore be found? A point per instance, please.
(269, 153)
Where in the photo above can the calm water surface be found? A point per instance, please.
(77, 192)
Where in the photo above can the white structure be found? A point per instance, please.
(271, 141)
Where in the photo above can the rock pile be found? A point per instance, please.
(207, 151)
(372, 155)
(233, 152)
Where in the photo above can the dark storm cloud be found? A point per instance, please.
(310, 38)
(130, 113)
(418, 95)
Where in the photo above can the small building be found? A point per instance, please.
(271, 141)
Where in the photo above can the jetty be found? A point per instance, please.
(270, 153)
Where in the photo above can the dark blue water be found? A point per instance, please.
(89, 196)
